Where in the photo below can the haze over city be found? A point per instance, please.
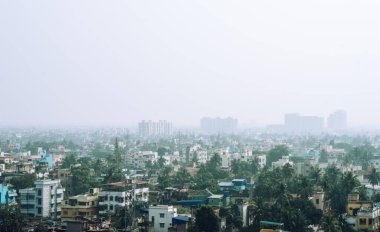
(81, 63)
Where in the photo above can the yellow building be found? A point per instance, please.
(354, 204)
(318, 200)
(80, 206)
(365, 213)
(368, 219)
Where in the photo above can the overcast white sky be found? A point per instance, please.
(116, 62)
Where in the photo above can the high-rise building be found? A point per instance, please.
(219, 125)
(160, 128)
(296, 123)
(337, 120)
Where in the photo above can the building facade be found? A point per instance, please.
(161, 216)
(150, 128)
(337, 120)
(44, 200)
(117, 196)
(85, 205)
(219, 125)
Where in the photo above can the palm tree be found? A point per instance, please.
(373, 178)
(315, 176)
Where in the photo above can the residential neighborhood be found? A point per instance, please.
(114, 180)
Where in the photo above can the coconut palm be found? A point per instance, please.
(373, 177)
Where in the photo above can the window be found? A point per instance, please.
(162, 225)
(362, 221)
(162, 215)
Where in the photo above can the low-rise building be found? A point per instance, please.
(318, 200)
(367, 218)
(282, 162)
(7, 195)
(118, 195)
(161, 217)
(85, 205)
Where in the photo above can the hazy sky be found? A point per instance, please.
(117, 62)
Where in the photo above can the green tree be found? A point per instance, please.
(206, 220)
(11, 219)
(182, 177)
(233, 218)
(315, 176)
(22, 182)
(122, 218)
(113, 175)
(69, 160)
(161, 151)
(276, 153)
(337, 186)
(323, 157)
(363, 196)
(117, 154)
(164, 179)
(204, 179)
(373, 177)
(82, 180)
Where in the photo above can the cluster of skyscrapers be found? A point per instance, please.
(293, 123)
(296, 123)
(219, 125)
(300, 123)
(160, 128)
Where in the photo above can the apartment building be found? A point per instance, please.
(85, 205)
(119, 195)
(44, 200)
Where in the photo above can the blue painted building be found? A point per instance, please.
(46, 158)
(7, 195)
(311, 153)
(235, 184)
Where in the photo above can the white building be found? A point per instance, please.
(281, 162)
(110, 201)
(202, 156)
(44, 200)
(138, 160)
(262, 160)
(161, 217)
(160, 128)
